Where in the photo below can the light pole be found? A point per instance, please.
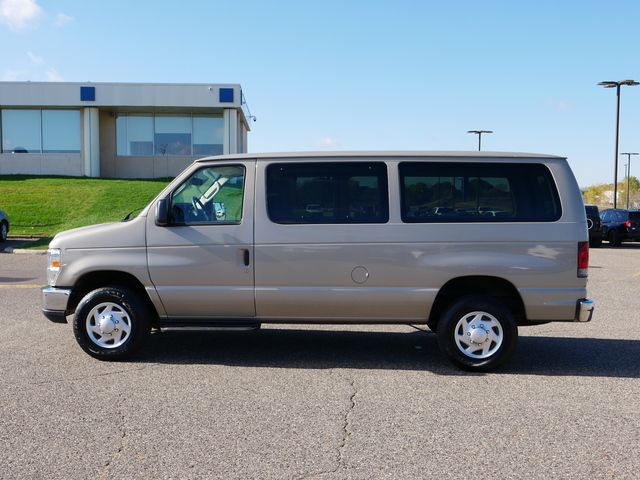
(628, 154)
(479, 133)
(617, 85)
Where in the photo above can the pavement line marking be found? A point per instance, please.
(19, 285)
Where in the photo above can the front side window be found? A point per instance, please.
(211, 195)
(331, 192)
(470, 192)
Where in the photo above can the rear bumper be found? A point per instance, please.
(54, 303)
(584, 310)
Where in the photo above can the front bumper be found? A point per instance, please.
(584, 310)
(54, 303)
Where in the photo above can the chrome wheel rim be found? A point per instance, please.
(478, 335)
(108, 325)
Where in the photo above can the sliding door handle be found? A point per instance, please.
(245, 257)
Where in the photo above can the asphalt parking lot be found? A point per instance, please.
(322, 402)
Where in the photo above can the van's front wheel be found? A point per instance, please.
(111, 323)
(477, 333)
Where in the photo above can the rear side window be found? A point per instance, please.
(634, 217)
(327, 192)
(472, 192)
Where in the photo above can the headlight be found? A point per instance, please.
(54, 262)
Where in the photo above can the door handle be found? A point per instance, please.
(245, 256)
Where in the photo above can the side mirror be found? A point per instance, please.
(162, 212)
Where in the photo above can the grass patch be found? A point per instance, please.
(44, 206)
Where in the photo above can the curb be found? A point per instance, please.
(23, 251)
(21, 241)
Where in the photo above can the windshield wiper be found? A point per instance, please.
(128, 216)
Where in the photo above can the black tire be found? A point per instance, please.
(497, 323)
(128, 309)
(614, 238)
(4, 231)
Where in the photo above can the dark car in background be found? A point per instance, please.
(4, 226)
(594, 225)
(620, 225)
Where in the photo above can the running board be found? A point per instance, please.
(208, 325)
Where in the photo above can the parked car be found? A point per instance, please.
(594, 224)
(4, 226)
(374, 255)
(620, 225)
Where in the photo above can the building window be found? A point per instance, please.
(327, 193)
(208, 133)
(21, 131)
(172, 135)
(40, 131)
(60, 131)
(135, 135)
(181, 135)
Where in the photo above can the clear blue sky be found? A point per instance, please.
(355, 75)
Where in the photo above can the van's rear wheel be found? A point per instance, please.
(111, 323)
(477, 333)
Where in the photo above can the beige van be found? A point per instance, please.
(471, 244)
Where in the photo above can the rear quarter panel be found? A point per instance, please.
(304, 271)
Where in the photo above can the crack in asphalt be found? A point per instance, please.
(346, 423)
(346, 434)
(122, 426)
(87, 377)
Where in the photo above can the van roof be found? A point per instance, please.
(368, 154)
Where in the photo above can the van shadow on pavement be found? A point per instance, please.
(417, 351)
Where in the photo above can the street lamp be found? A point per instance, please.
(628, 154)
(617, 85)
(479, 133)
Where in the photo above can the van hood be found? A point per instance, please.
(104, 235)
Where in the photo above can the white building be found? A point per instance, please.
(122, 130)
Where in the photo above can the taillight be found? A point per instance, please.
(583, 259)
(627, 224)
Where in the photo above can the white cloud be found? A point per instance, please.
(18, 14)
(54, 76)
(35, 59)
(62, 20)
(560, 105)
(563, 106)
(328, 142)
(12, 75)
